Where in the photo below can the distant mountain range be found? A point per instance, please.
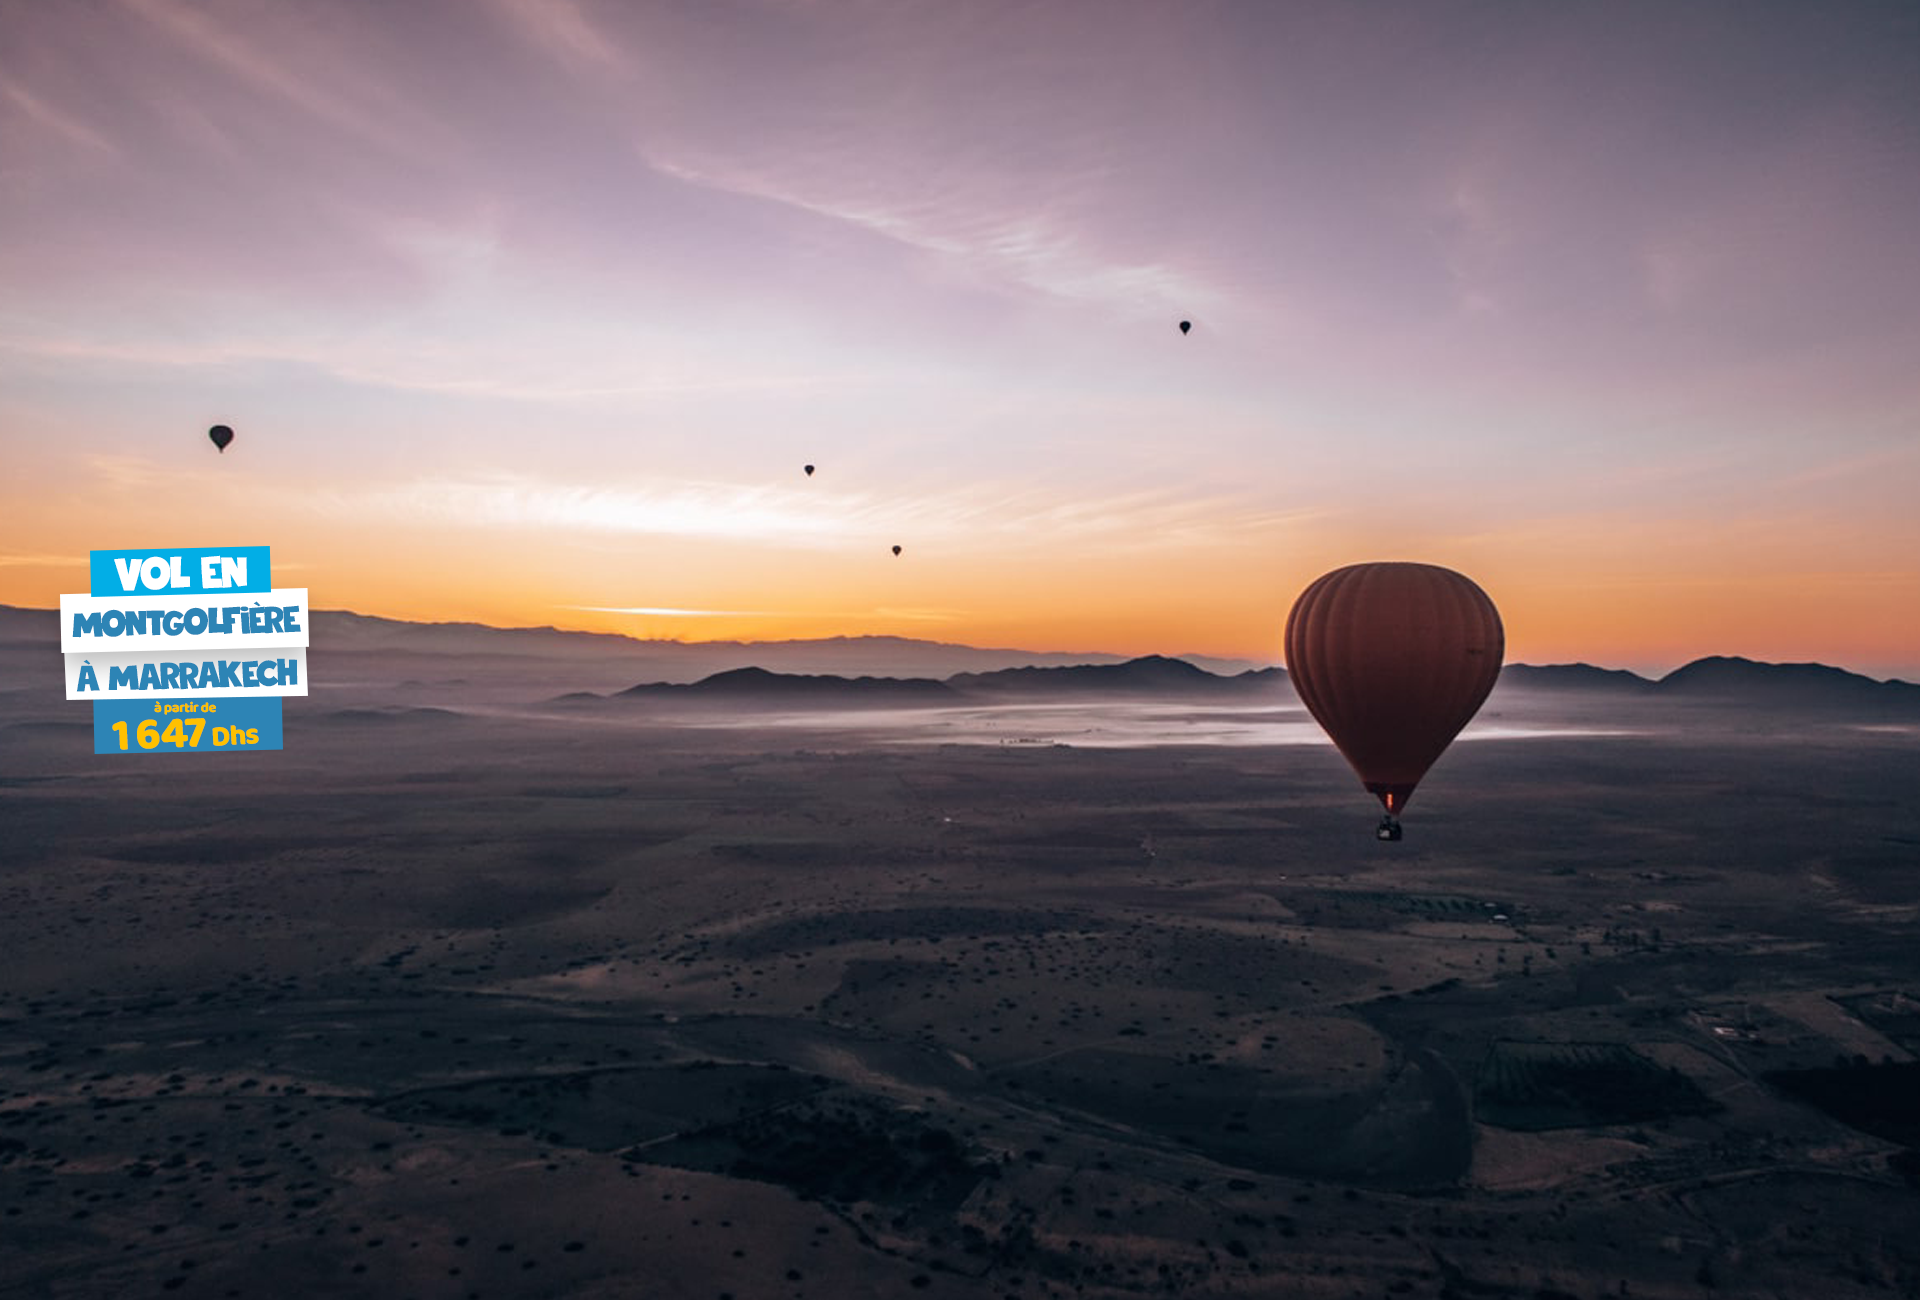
(901, 670)
(19, 625)
(1152, 677)
(1573, 677)
(686, 661)
(758, 686)
(1726, 677)
(1772, 686)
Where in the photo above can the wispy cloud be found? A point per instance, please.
(697, 510)
(884, 612)
(21, 560)
(917, 614)
(68, 127)
(564, 31)
(984, 236)
(336, 94)
(984, 517)
(1011, 148)
(655, 611)
(572, 362)
(129, 473)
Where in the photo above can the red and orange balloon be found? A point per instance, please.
(1393, 659)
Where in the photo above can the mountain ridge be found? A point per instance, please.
(758, 684)
(343, 631)
(1713, 679)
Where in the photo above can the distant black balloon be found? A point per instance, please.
(809, 471)
(896, 550)
(221, 436)
(1185, 325)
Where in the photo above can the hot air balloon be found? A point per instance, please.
(809, 471)
(896, 550)
(1393, 659)
(221, 436)
(1185, 325)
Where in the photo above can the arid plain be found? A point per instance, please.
(472, 991)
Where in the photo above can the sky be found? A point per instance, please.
(530, 312)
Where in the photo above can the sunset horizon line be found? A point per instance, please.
(1258, 662)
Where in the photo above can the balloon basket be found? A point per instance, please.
(1388, 829)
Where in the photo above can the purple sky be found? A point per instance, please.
(1615, 307)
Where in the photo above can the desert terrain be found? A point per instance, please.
(477, 991)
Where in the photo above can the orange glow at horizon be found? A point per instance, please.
(1231, 602)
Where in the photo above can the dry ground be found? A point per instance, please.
(524, 1003)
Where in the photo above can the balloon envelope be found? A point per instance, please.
(1393, 659)
(809, 471)
(221, 436)
(896, 550)
(1185, 325)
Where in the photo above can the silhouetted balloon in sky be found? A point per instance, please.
(809, 471)
(221, 436)
(1393, 659)
(896, 550)
(1185, 325)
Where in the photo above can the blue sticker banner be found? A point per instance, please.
(178, 571)
(186, 725)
